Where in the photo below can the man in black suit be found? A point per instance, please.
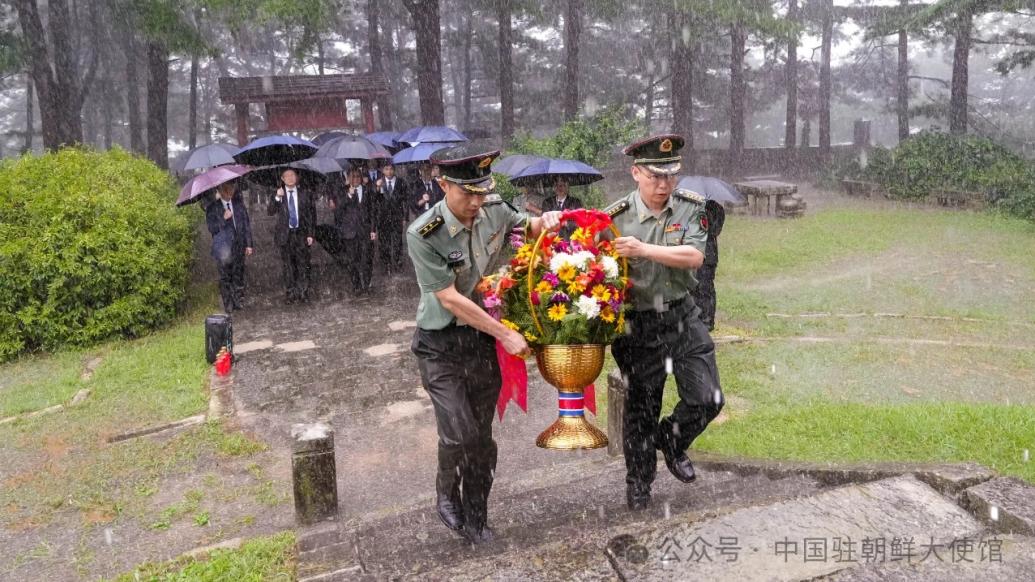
(393, 200)
(372, 174)
(560, 200)
(231, 228)
(293, 232)
(354, 213)
(425, 191)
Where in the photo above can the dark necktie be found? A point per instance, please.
(292, 214)
(233, 219)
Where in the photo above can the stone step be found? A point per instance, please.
(580, 508)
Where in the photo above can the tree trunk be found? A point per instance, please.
(791, 126)
(108, 114)
(468, 33)
(384, 108)
(458, 90)
(427, 27)
(396, 39)
(738, 89)
(506, 80)
(157, 104)
(49, 92)
(960, 74)
(806, 133)
(682, 78)
(192, 112)
(824, 81)
(66, 71)
(30, 114)
(136, 125)
(902, 83)
(319, 55)
(572, 31)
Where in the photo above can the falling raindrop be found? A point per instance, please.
(668, 365)
(108, 536)
(772, 370)
(591, 106)
(993, 513)
(668, 510)
(1026, 456)
(717, 396)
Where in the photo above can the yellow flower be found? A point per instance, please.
(601, 293)
(567, 273)
(544, 287)
(607, 314)
(620, 326)
(557, 312)
(524, 252)
(581, 236)
(575, 288)
(509, 324)
(530, 337)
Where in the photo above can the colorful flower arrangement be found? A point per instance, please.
(573, 286)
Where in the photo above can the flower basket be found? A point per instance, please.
(567, 296)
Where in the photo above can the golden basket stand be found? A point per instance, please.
(569, 368)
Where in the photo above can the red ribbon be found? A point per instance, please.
(515, 381)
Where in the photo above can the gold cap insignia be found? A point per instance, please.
(666, 146)
(485, 163)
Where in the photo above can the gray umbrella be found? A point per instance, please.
(352, 147)
(510, 166)
(712, 189)
(207, 156)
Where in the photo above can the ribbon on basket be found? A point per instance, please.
(514, 385)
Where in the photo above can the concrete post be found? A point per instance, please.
(616, 391)
(313, 473)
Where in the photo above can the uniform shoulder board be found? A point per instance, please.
(430, 226)
(689, 196)
(493, 199)
(617, 208)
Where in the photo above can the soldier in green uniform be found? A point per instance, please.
(663, 237)
(452, 245)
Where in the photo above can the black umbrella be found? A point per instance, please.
(326, 137)
(207, 156)
(545, 172)
(712, 189)
(275, 150)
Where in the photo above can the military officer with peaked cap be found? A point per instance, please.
(663, 237)
(452, 245)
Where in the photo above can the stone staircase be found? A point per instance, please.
(771, 522)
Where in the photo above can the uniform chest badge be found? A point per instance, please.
(455, 256)
(674, 228)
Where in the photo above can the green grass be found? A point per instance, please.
(23, 388)
(858, 399)
(265, 559)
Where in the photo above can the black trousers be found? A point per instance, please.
(704, 294)
(390, 243)
(458, 368)
(294, 254)
(655, 342)
(231, 278)
(359, 257)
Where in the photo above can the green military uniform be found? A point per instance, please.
(664, 334)
(458, 363)
(681, 222)
(445, 252)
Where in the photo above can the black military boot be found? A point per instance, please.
(637, 496)
(447, 485)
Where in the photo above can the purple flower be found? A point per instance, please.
(616, 305)
(560, 298)
(551, 278)
(491, 301)
(535, 298)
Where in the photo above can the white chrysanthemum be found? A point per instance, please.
(610, 267)
(587, 306)
(559, 260)
(581, 259)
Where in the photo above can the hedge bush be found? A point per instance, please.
(91, 247)
(931, 162)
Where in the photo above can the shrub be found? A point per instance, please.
(91, 247)
(936, 161)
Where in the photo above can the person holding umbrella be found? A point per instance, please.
(425, 190)
(560, 201)
(227, 220)
(392, 201)
(354, 213)
(293, 232)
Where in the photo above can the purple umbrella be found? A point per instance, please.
(275, 149)
(576, 172)
(206, 181)
(511, 166)
(351, 147)
(418, 153)
(432, 134)
(207, 156)
(388, 139)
